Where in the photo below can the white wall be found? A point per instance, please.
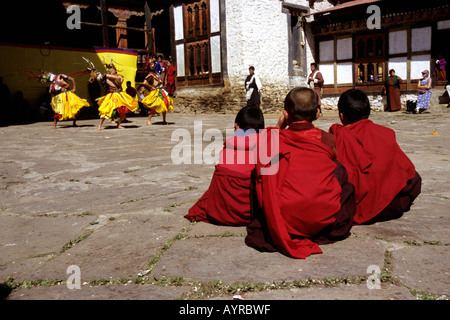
(257, 34)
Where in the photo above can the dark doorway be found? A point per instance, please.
(440, 46)
(161, 24)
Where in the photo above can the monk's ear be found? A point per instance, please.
(236, 126)
(342, 117)
(317, 114)
(286, 115)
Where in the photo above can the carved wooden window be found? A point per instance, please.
(197, 42)
(370, 58)
(197, 18)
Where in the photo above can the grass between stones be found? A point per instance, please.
(216, 288)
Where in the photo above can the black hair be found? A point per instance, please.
(314, 64)
(354, 105)
(252, 68)
(301, 104)
(250, 117)
(390, 71)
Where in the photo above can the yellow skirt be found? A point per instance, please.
(67, 104)
(158, 100)
(116, 100)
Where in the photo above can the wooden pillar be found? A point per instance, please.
(408, 59)
(104, 13)
(335, 63)
(148, 28)
(121, 34)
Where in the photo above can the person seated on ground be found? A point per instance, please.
(227, 200)
(386, 182)
(306, 200)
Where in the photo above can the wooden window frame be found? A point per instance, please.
(197, 34)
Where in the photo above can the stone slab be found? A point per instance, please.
(25, 237)
(424, 268)
(229, 259)
(120, 249)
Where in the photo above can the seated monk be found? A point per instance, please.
(227, 200)
(386, 182)
(307, 201)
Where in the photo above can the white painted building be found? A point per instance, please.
(270, 35)
(281, 38)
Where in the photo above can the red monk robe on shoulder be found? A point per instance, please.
(301, 197)
(386, 182)
(227, 200)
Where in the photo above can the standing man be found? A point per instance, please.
(252, 87)
(65, 103)
(157, 100)
(114, 102)
(315, 81)
(171, 73)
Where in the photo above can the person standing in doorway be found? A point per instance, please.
(315, 81)
(252, 87)
(441, 64)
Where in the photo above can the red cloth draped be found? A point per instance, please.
(303, 197)
(375, 164)
(227, 200)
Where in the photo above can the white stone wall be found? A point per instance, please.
(257, 34)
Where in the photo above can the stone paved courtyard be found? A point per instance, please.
(112, 204)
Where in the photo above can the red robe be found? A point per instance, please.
(227, 200)
(375, 164)
(170, 85)
(304, 199)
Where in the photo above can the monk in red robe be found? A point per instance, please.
(307, 201)
(227, 200)
(386, 182)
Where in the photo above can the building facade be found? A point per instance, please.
(271, 35)
(355, 52)
(212, 43)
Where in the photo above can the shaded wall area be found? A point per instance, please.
(29, 99)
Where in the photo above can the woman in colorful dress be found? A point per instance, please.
(65, 103)
(424, 86)
(158, 101)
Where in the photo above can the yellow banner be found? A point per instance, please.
(59, 60)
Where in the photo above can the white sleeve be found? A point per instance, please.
(258, 83)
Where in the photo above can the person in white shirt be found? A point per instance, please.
(315, 81)
(252, 87)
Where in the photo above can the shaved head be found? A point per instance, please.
(301, 104)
